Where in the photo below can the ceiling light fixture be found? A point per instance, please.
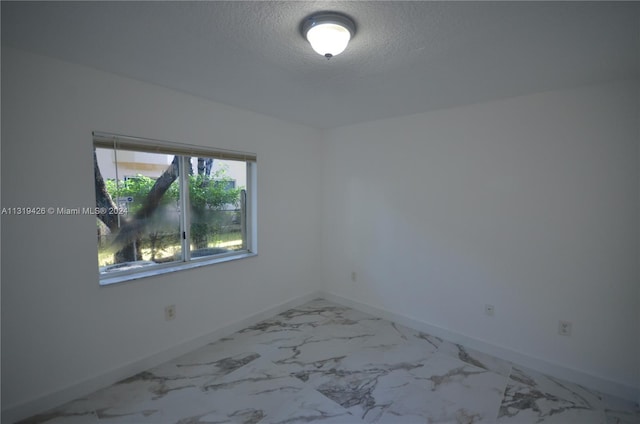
(328, 33)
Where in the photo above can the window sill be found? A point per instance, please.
(107, 280)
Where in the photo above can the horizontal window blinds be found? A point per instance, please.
(121, 142)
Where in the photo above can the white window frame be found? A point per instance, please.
(116, 141)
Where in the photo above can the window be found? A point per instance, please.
(162, 207)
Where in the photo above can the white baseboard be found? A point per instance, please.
(587, 380)
(41, 404)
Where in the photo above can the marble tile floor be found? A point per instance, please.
(325, 363)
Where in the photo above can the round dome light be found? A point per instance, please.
(328, 33)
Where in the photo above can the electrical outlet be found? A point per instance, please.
(564, 328)
(353, 276)
(489, 310)
(169, 312)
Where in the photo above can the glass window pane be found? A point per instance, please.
(158, 208)
(217, 218)
(141, 226)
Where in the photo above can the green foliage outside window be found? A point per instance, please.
(213, 202)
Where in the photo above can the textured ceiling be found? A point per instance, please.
(406, 57)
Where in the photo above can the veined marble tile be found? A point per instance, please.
(269, 335)
(307, 406)
(448, 390)
(620, 411)
(271, 395)
(406, 334)
(244, 416)
(433, 344)
(331, 364)
(322, 312)
(393, 333)
(473, 357)
(363, 394)
(325, 343)
(368, 381)
(206, 363)
(622, 417)
(534, 397)
(171, 408)
(318, 318)
(192, 370)
(165, 393)
(262, 338)
(343, 332)
(76, 412)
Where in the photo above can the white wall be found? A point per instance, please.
(530, 204)
(59, 327)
